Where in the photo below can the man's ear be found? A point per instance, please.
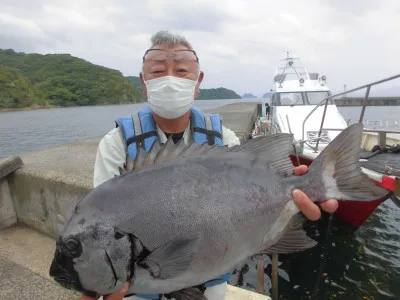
(143, 84)
(197, 89)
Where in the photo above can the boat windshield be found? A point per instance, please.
(300, 98)
(317, 97)
(291, 99)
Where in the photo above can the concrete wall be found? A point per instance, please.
(46, 189)
(44, 204)
(372, 101)
(8, 215)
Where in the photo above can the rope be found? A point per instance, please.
(323, 259)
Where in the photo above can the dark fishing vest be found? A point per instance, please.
(139, 130)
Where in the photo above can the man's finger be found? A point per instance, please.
(120, 294)
(300, 170)
(85, 297)
(307, 207)
(330, 206)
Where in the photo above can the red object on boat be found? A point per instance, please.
(355, 212)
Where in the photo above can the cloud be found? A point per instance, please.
(240, 43)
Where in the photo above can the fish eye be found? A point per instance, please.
(73, 247)
(119, 234)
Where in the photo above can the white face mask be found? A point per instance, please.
(170, 97)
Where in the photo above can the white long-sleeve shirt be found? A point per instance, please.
(111, 152)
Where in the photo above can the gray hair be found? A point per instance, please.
(167, 38)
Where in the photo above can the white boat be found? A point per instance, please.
(297, 93)
(303, 105)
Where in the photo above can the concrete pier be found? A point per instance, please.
(39, 199)
(372, 101)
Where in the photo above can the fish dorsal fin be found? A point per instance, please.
(192, 148)
(180, 146)
(273, 151)
(166, 151)
(140, 158)
(151, 155)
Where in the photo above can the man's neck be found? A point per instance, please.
(173, 126)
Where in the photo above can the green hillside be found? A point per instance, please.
(59, 80)
(205, 94)
(135, 80)
(218, 93)
(17, 91)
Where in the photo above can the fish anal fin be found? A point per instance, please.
(171, 259)
(192, 293)
(293, 239)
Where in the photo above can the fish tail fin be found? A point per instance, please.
(337, 170)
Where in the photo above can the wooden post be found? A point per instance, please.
(382, 139)
(274, 276)
(260, 276)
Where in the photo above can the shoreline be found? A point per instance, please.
(26, 108)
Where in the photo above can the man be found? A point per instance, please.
(267, 109)
(171, 78)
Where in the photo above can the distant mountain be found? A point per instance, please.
(267, 95)
(218, 93)
(205, 94)
(32, 80)
(248, 96)
(135, 80)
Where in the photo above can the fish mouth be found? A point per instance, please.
(63, 272)
(64, 276)
(112, 268)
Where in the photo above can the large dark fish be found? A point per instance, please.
(190, 213)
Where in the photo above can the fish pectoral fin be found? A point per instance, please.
(171, 259)
(294, 239)
(187, 294)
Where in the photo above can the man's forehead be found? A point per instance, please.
(170, 47)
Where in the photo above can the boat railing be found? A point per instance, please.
(326, 100)
(377, 124)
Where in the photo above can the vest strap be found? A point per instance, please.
(139, 138)
(137, 124)
(207, 132)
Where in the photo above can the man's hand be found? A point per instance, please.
(116, 296)
(307, 207)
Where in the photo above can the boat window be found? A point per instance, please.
(317, 97)
(291, 99)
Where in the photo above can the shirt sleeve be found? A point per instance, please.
(229, 137)
(110, 156)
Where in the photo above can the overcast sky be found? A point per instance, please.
(239, 43)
